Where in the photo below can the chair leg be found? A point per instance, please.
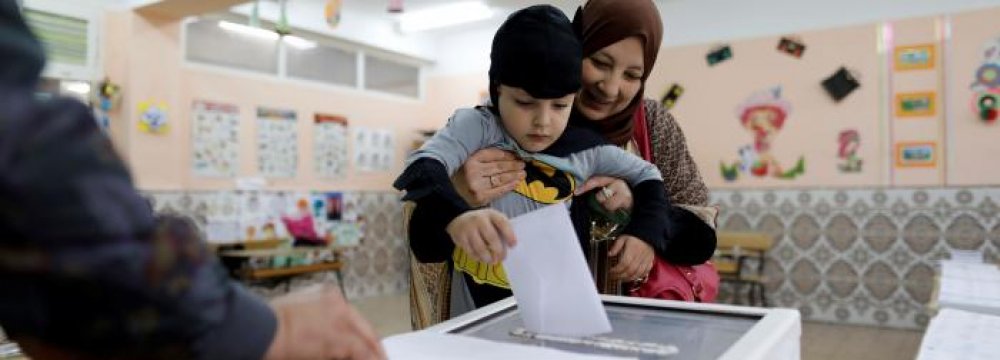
(763, 299)
(750, 292)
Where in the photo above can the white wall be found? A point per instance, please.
(705, 21)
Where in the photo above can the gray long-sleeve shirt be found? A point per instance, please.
(473, 129)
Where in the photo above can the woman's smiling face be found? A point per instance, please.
(611, 78)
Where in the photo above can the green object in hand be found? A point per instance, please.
(619, 217)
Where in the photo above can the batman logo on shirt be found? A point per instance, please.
(546, 184)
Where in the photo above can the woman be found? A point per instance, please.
(621, 39)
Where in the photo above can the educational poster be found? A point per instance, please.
(374, 149)
(215, 139)
(334, 206)
(847, 151)
(330, 139)
(763, 114)
(916, 154)
(277, 143)
(986, 84)
(222, 218)
(337, 221)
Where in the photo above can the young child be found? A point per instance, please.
(534, 77)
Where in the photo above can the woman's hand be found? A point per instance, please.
(487, 175)
(636, 259)
(484, 234)
(615, 195)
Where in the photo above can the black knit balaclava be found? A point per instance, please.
(536, 49)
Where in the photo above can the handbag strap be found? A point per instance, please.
(640, 133)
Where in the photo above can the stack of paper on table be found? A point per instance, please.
(970, 286)
(958, 334)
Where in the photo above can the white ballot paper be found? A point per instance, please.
(434, 346)
(549, 276)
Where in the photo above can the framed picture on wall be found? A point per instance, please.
(914, 57)
(916, 154)
(915, 104)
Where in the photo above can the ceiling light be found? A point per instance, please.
(300, 43)
(444, 16)
(248, 30)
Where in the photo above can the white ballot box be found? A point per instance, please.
(698, 331)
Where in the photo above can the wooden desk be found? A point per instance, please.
(284, 274)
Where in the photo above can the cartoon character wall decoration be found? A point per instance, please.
(847, 151)
(763, 114)
(153, 117)
(986, 86)
(331, 12)
(108, 98)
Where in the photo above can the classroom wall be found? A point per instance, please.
(706, 110)
(973, 145)
(145, 57)
(145, 53)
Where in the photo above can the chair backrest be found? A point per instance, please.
(733, 247)
(746, 241)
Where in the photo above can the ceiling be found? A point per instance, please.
(380, 6)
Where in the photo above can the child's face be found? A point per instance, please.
(534, 123)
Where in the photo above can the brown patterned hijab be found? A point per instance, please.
(601, 23)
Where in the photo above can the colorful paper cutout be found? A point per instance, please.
(914, 57)
(841, 84)
(670, 98)
(848, 143)
(916, 154)
(331, 12)
(986, 104)
(792, 46)
(986, 85)
(763, 114)
(719, 54)
(153, 118)
(916, 104)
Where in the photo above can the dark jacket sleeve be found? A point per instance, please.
(84, 264)
(427, 184)
(691, 241)
(676, 235)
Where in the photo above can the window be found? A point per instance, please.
(324, 64)
(64, 38)
(209, 43)
(223, 41)
(392, 77)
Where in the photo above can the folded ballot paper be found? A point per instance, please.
(548, 274)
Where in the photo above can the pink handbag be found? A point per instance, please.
(699, 283)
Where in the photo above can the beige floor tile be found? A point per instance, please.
(389, 314)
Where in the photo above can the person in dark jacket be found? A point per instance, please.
(88, 271)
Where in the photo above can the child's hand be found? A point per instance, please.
(484, 234)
